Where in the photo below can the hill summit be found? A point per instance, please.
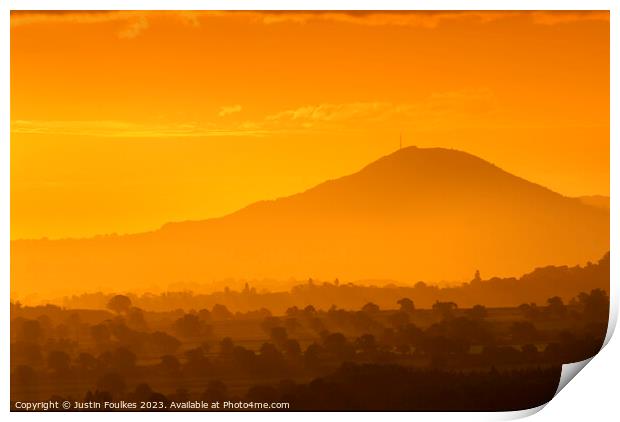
(428, 214)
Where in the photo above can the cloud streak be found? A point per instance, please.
(132, 23)
(424, 19)
(120, 129)
(227, 110)
(454, 108)
(438, 107)
(137, 21)
(134, 28)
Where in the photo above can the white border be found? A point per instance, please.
(594, 395)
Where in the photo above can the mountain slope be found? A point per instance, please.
(417, 214)
(598, 201)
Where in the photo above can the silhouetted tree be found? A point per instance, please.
(197, 362)
(366, 343)
(279, 336)
(556, 306)
(337, 345)
(291, 349)
(220, 313)
(163, 343)
(398, 319)
(309, 310)
(291, 324)
(530, 311)
(270, 323)
(190, 326)
(32, 331)
(477, 312)
(370, 308)
(445, 309)
(312, 356)
(226, 346)
(119, 304)
(595, 305)
(204, 315)
(292, 311)
(271, 359)
(406, 305)
(100, 334)
(135, 318)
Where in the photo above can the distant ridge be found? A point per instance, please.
(418, 214)
(599, 201)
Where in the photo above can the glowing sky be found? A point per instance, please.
(122, 121)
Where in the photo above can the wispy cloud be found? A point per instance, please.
(134, 27)
(425, 19)
(442, 106)
(567, 16)
(135, 22)
(131, 23)
(366, 18)
(226, 110)
(439, 109)
(119, 129)
(331, 112)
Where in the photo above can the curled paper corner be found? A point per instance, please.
(613, 320)
(569, 371)
(520, 414)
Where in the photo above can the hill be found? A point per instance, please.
(599, 201)
(418, 214)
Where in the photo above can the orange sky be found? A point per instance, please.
(122, 121)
